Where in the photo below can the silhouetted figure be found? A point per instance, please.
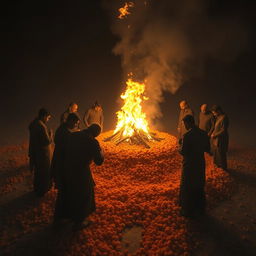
(72, 108)
(40, 152)
(94, 115)
(75, 198)
(206, 120)
(220, 138)
(195, 142)
(60, 138)
(184, 111)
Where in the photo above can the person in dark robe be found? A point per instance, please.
(206, 120)
(220, 137)
(40, 152)
(94, 115)
(194, 143)
(72, 108)
(60, 138)
(184, 111)
(75, 199)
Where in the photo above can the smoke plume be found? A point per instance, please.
(166, 42)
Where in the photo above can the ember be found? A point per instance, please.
(132, 125)
(124, 11)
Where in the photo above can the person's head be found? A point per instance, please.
(183, 104)
(96, 106)
(72, 121)
(73, 107)
(204, 108)
(94, 130)
(216, 110)
(189, 121)
(44, 115)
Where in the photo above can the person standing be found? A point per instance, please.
(75, 199)
(72, 108)
(40, 152)
(194, 143)
(206, 120)
(220, 137)
(60, 138)
(94, 115)
(184, 110)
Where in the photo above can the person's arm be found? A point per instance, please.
(44, 136)
(101, 120)
(222, 128)
(184, 149)
(86, 115)
(212, 123)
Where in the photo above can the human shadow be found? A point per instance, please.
(218, 238)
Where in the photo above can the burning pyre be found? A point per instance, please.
(132, 125)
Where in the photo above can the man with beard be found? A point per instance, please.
(220, 137)
(192, 195)
(40, 152)
(184, 111)
(75, 200)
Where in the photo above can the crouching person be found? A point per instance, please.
(75, 199)
(40, 152)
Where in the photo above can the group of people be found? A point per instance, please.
(68, 165)
(211, 136)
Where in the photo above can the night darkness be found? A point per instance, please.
(55, 53)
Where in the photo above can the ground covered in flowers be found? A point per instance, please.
(137, 211)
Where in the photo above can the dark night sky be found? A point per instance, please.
(58, 52)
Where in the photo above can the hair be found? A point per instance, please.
(94, 129)
(43, 112)
(96, 104)
(189, 119)
(72, 117)
(71, 104)
(217, 108)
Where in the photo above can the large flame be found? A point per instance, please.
(124, 11)
(130, 117)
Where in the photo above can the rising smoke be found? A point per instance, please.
(165, 43)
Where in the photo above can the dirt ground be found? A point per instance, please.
(229, 228)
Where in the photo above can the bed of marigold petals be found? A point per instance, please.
(134, 187)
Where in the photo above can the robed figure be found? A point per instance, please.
(184, 111)
(192, 195)
(60, 138)
(206, 120)
(220, 138)
(75, 199)
(40, 152)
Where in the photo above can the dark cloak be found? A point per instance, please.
(192, 195)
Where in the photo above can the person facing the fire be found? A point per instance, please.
(72, 108)
(220, 138)
(61, 134)
(206, 120)
(40, 152)
(75, 199)
(94, 115)
(184, 110)
(194, 143)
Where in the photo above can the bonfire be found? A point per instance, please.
(132, 125)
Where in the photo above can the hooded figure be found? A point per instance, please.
(195, 142)
(220, 138)
(75, 199)
(40, 152)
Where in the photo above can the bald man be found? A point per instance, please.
(184, 111)
(206, 120)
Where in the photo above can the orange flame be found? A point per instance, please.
(131, 117)
(124, 11)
